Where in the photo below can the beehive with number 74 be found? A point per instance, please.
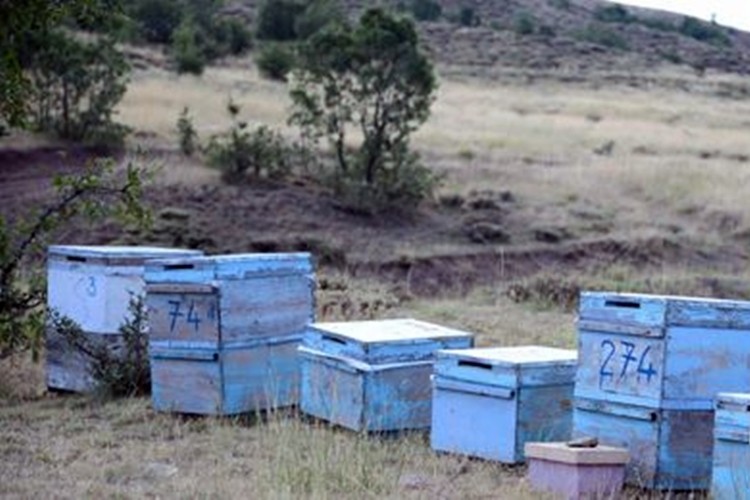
(649, 370)
(225, 331)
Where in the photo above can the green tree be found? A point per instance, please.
(157, 19)
(99, 192)
(366, 89)
(23, 24)
(76, 86)
(277, 20)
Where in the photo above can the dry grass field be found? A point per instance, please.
(596, 164)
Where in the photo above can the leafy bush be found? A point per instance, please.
(560, 4)
(426, 10)
(95, 194)
(602, 36)
(704, 32)
(277, 20)
(613, 14)
(76, 86)
(232, 37)
(275, 61)
(341, 89)
(468, 17)
(124, 372)
(157, 19)
(262, 153)
(186, 132)
(187, 49)
(524, 24)
(317, 15)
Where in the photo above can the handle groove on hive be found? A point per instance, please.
(335, 340)
(75, 258)
(475, 364)
(623, 303)
(178, 267)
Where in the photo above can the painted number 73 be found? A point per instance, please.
(635, 361)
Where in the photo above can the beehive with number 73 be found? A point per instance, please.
(649, 370)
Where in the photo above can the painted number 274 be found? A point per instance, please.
(635, 362)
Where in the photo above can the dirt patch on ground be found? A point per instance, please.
(430, 252)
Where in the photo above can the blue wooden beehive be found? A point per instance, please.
(373, 375)
(649, 369)
(92, 285)
(489, 402)
(731, 467)
(225, 331)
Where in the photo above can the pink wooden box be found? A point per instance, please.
(576, 473)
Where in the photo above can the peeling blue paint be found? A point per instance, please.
(372, 376)
(489, 402)
(731, 463)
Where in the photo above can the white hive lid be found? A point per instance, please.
(388, 331)
(526, 356)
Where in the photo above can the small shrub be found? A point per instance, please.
(187, 53)
(704, 32)
(117, 373)
(613, 14)
(231, 36)
(262, 153)
(317, 15)
(524, 24)
(468, 17)
(186, 132)
(602, 36)
(277, 20)
(157, 19)
(657, 24)
(275, 61)
(426, 10)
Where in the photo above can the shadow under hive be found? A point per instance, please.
(649, 369)
(92, 285)
(225, 331)
(489, 402)
(373, 376)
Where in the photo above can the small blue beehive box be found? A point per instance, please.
(373, 375)
(649, 369)
(731, 472)
(225, 331)
(489, 402)
(93, 285)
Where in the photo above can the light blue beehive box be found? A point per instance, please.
(373, 376)
(225, 331)
(649, 369)
(93, 285)
(731, 466)
(489, 402)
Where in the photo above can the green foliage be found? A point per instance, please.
(76, 86)
(24, 24)
(467, 16)
(260, 153)
(157, 19)
(98, 193)
(369, 82)
(288, 20)
(704, 32)
(188, 51)
(602, 36)
(318, 15)
(615, 13)
(277, 20)
(426, 10)
(524, 24)
(186, 132)
(275, 61)
(232, 37)
(560, 4)
(123, 372)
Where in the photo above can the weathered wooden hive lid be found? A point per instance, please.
(532, 356)
(115, 255)
(205, 269)
(383, 341)
(658, 311)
